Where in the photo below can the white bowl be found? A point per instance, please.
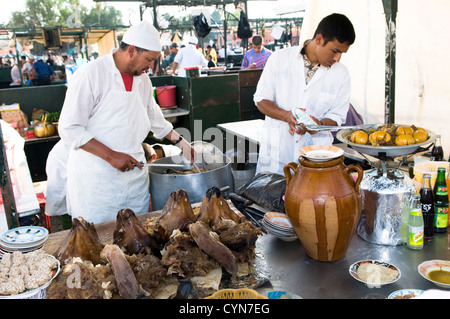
(321, 152)
(354, 269)
(428, 266)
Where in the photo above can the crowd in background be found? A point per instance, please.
(42, 70)
(34, 71)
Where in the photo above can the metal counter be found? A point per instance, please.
(290, 269)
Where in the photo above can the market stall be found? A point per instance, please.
(285, 266)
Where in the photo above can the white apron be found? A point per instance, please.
(56, 169)
(96, 191)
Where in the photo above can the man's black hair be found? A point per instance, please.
(336, 26)
(124, 46)
(256, 40)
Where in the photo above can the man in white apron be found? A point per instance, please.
(108, 111)
(310, 78)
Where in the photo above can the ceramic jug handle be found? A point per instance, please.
(358, 169)
(287, 170)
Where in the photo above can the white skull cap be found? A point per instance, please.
(143, 35)
(193, 40)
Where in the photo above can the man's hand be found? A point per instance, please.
(188, 151)
(302, 128)
(122, 161)
(290, 119)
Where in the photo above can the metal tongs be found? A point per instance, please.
(333, 128)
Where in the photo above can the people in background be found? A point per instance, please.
(211, 63)
(42, 72)
(167, 62)
(189, 57)
(15, 74)
(257, 56)
(27, 67)
(67, 60)
(212, 52)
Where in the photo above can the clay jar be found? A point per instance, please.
(323, 203)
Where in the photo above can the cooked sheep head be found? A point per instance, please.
(131, 236)
(82, 241)
(214, 209)
(125, 279)
(177, 213)
(209, 242)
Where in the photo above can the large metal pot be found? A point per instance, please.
(209, 157)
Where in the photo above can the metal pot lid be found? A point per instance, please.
(381, 151)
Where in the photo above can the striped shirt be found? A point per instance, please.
(259, 58)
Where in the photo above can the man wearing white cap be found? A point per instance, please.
(108, 112)
(189, 56)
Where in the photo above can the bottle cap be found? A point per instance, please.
(426, 175)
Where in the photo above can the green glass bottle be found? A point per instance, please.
(440, 193)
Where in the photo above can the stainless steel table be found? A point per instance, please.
(291, 270)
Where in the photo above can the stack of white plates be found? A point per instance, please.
(23, 239)
(278, 225)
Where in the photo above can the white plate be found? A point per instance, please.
(321, 152)
(354, 268)
(428, 266)
(9, 246)
(278, 220)
(24, 235)
(404, 292)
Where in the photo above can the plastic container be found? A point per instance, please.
(193, 71)
(428, 168)
(166, 95)
(242, 293)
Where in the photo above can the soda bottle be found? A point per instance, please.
(440, 202)
(415, 224)
(427, 205)
(437, 152)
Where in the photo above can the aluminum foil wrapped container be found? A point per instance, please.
(383, 197)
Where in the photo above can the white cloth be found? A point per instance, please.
(56, 170)
(143, 35)
(221, 52)
(189, 56)
(169, 150)
(15, 75)
(97, 106)
(327, 95)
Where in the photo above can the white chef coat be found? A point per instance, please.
(327, 95)
(98, 106)
(187, 57)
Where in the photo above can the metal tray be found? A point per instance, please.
(381, 151)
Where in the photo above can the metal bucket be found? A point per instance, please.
(212, 159)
